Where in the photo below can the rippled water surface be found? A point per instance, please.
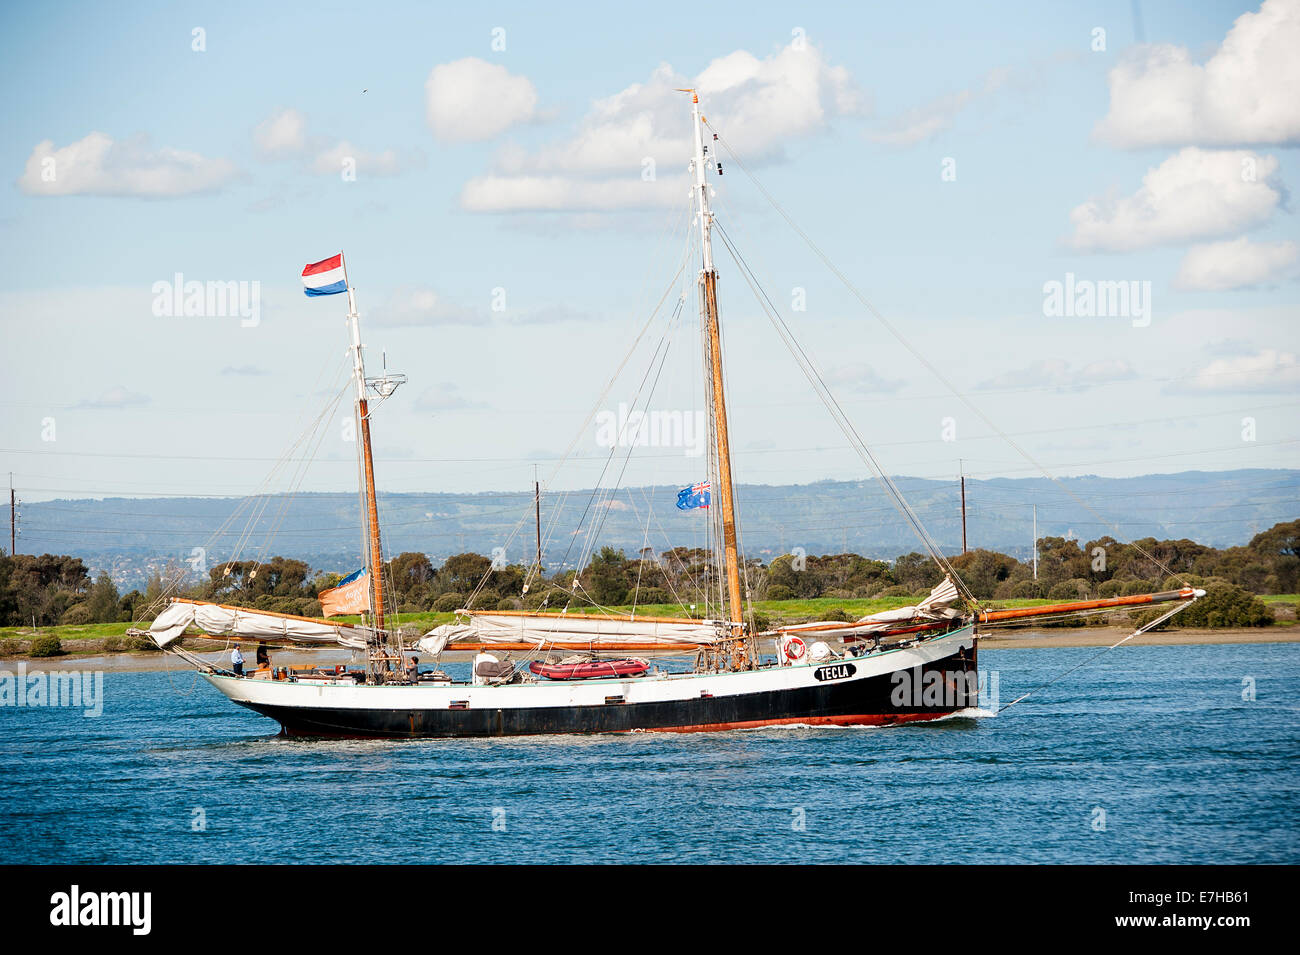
(1159, 738)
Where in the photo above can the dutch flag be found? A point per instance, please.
(325, 277)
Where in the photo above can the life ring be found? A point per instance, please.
(794, 649)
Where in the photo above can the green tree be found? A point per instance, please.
(102, 600)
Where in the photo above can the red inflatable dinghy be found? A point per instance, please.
(590, 670)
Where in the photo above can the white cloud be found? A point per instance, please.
(118, 397)
(863, 380)
(1062, 375)
(283, 133)
(923, 122)
(420, 305)
(1245, 94)
(471, 100)
(562, 193)
(330, 162)
(98, 166)
(1268, 370)
(759, 105)
(1194, 194)
(444, 397)
(1238, 263)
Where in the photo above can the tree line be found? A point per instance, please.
(52, 589)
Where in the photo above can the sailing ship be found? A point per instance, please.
(915, 663)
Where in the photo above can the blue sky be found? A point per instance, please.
(503, 147)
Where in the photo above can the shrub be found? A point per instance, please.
(112, 644)
(899, 590)
(839, 613)
(77, 615)
(449, 602)
(761, 622)
(1026, 590)
(140, 643)
(779, 592)
(509, 603)
(46, 646)
(485, 600)
(1224, 605)
(654, 595)
(1074, 589)
(1110, 588)
(10, 648)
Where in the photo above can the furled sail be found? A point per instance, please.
(573, 631)
(243, 623)
(936, 608)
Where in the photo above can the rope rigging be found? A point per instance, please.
(920, 357)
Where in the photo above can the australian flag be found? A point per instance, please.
(697, 495)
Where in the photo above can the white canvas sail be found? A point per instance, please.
(937, 606)
(573, 631)
(243, 623)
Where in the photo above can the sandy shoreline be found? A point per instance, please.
(1029, 639)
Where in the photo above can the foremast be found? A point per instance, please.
(709, 297)
(382, 657)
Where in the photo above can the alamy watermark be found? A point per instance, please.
(626, 428)
(947, 689)
(1084, 298)
(82, 689)
(193, 299)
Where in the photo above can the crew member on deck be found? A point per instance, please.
(413, 670)
(263, 656)
(237, 661)
(482, 656)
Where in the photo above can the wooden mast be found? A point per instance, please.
(372, 517)
(709, 284)
(374, 556)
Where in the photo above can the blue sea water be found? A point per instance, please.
(1159, 738)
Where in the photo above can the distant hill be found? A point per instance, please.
(128, 536)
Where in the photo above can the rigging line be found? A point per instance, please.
(822, 389)
(594, 530)
(906, 344)
(248, 503)
(1140, 630)
(295, 477)
(651, 516)
(319, 429)
(660, 346)
(557, 507)
(837, 413)
(663, 359)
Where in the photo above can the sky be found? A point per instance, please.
(510, 188)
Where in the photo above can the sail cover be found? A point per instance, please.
(243, 623)
(937, 606)
(572, 631)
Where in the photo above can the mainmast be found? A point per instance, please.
(709, 291)
(374, 556)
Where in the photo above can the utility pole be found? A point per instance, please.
(13, 516)
(1035, 542)
(963, 505)
(537, 504)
